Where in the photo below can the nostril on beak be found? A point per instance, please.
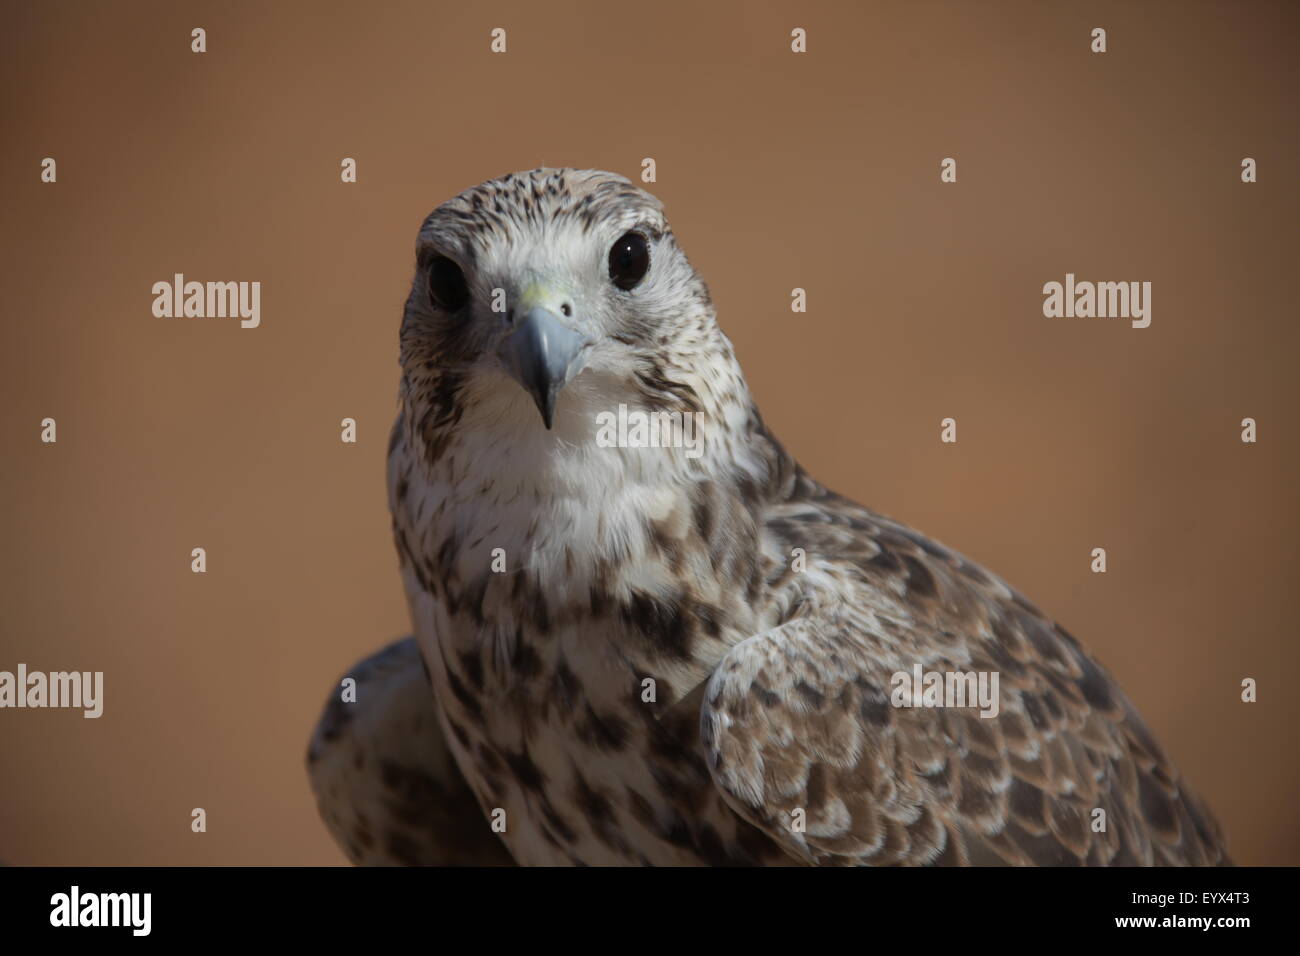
(566, 309)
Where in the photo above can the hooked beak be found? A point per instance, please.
(543, 354)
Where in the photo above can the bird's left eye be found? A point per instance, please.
(629, 260)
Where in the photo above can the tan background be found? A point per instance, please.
(778, 170)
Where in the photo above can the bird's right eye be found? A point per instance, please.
(447, 286)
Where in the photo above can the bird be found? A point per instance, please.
(637, 652)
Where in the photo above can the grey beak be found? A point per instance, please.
(543, 354)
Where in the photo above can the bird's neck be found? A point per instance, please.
(611, 502)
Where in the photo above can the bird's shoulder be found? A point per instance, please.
(386, 783)
(809, 739)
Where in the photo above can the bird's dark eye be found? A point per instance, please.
(629, 259)
(447, 285)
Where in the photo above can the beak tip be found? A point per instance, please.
(542, 355)
(546, 405)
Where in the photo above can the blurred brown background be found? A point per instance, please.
(819, 170)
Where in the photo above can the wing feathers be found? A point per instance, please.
(797, 722)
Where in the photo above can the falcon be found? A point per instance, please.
(655, 654)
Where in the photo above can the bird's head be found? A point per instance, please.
(544, 298)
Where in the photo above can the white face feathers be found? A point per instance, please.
(532, 283)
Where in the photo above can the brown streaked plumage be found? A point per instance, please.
(386, 784)
(626, 664)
